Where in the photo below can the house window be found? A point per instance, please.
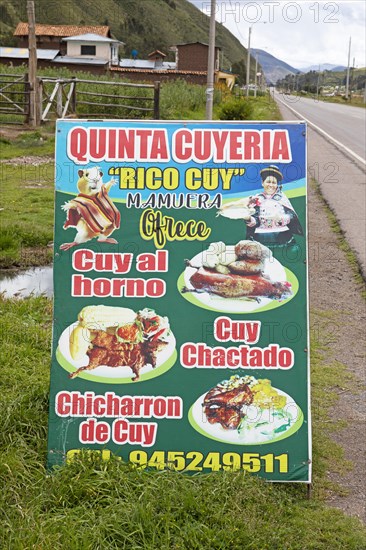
(87, 50)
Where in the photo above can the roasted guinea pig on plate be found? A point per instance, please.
(118, 337)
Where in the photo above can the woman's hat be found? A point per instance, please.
(271, 171)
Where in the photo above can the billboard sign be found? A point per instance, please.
(180, 316)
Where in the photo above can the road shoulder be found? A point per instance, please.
(337, 296)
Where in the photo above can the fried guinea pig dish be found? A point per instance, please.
(118, 337)
(226, 404)
(237, 272)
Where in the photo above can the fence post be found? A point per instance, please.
(26, 98)
(32, 63)
(59, 101)
(39, 96)
(156, 100)
(73, 97)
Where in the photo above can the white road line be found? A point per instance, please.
(321, 131)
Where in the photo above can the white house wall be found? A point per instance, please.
(102, 51)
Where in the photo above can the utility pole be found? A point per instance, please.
(248, 62)
(255, 78)
(348, 65)
(352, 78)
(248, 54)
(317, 84)
(211, 64)
(32, 64)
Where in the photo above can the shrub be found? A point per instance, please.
(236, 109)
(182, 100)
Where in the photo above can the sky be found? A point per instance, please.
(301, 33)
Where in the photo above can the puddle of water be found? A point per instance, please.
(35, 281)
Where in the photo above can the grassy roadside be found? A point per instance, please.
(265, 108)
(343, 245)
(357, 101)
(328, 456)
(91, 504)
(26, 199)
(32, 143)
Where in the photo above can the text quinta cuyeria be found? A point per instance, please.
(197, 145)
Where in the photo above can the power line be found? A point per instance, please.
(236, 24)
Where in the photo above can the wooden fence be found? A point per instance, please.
(78, 98)
(14, 98)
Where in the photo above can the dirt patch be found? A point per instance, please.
(45, 185)
(33, 160)
(13, 132)
(10, 133)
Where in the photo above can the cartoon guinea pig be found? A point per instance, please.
(91, 212)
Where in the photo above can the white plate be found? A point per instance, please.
(255, 435)
(164, 361)
(272, 269)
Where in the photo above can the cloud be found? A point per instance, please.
(301, 33)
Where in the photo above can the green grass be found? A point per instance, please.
(265, 108)
(180, 100)
(262, 107)
(356, 101)
(29, 143)
(110, 505)
(26, 199)
(183, 101)
(327, 376)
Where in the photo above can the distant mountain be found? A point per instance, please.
(273, 68)
(323, 67)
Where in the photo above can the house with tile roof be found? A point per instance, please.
(50, 37)
(91, 47)
(90, 51)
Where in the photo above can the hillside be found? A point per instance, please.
(273, 68)
(144, 25)
(323, 67)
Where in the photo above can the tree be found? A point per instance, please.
(240, 68)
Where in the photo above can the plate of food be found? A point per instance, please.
(117, 345)
(241, 278)
(245, 411)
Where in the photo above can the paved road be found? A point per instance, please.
(342, 182)
(345, 123)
